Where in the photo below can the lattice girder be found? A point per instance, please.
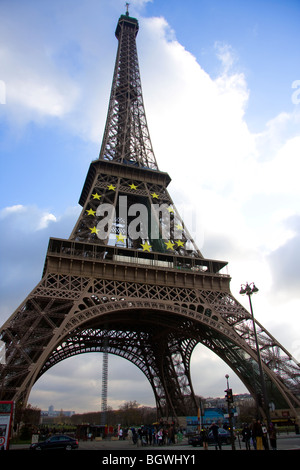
(106, 186)
(126, 137)
(124, 313)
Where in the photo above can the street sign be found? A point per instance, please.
(6, 415)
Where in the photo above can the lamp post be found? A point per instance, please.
(229, 399)
(200, 414)
(250, 289)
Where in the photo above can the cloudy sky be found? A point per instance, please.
(221, 85)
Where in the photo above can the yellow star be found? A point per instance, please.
(121, 238)
(91, 212)
(179, 243)
(94, 230)
(133, 186)
(146, 246)
(112, 187)
(154, 195)
(180, 227)
(169, 245)
(96, 196)
(170, 209)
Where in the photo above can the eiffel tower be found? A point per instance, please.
(130, 280)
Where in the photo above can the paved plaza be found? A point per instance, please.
(290, 441)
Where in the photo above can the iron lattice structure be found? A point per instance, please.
(149, 299)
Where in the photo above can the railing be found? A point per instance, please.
(74, 249)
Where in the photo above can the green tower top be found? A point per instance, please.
(128, 21)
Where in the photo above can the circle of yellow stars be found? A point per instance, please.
(120, 237)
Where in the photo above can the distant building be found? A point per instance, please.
(210, 415)
(216, 410)
(239, 399)
(52, 413)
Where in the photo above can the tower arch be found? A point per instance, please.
(129, 328)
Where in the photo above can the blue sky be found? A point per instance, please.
(224, 120)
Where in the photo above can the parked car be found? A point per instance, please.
(56, 442)
(224, 437)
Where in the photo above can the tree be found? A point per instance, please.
(247, 412)
(129, 413)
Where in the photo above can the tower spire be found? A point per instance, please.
(126, 137)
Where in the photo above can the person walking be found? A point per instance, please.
(204, 438)
(160, 437)
(273, 436)
(215, 431)
(265, 440)
(258, 434)
(246, 433)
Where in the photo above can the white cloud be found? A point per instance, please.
(138, 4)
(45, 219)
(24, 237)
(201, 118)
(208, 374)
(277, 130)
(11, 209)
(226, 55)
(35, 87)
(25, 219)
(281, 175)
(41, 96)
(80, 389)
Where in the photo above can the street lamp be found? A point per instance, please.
(250, 289)
(229, 399)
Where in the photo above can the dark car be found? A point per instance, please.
(224, 437)
(56, 442)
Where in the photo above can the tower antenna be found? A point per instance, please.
(127, 6)
(104, 388)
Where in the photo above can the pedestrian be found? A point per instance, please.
(160, 437)
(134, 436)
(273, 436)
(204, 438)
(215, 431)
(150, 435)
(258, 435)
(246, 433)
(171, 435)
(252, 427)
(140, 437)
(265, 440)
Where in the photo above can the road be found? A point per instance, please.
(284, 442)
